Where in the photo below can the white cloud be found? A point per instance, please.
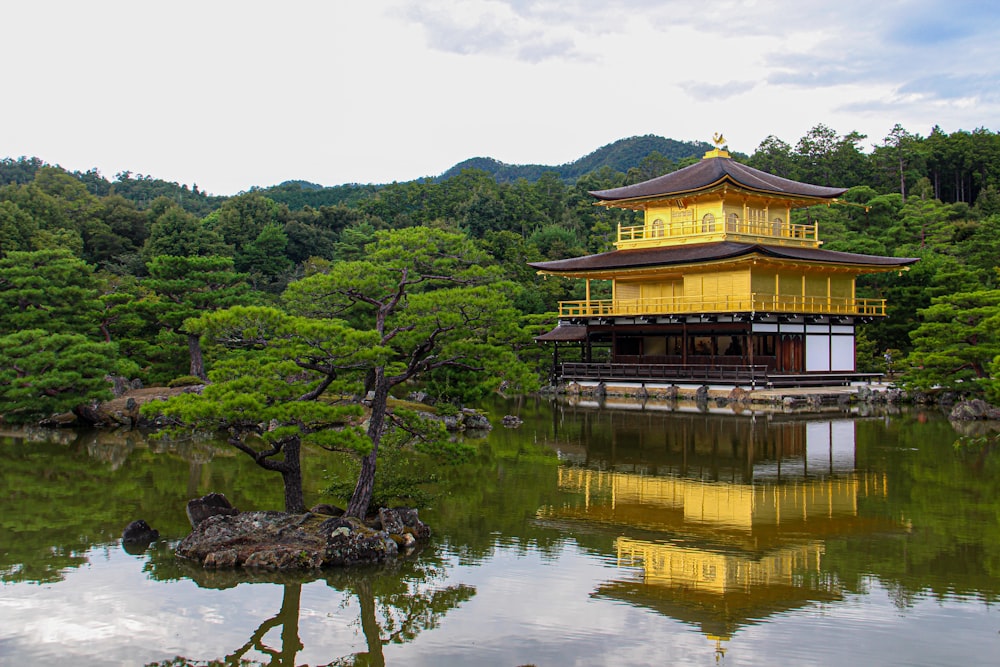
(235, 94)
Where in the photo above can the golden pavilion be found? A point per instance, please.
(717, 285)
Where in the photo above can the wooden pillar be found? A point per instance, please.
(684, 342)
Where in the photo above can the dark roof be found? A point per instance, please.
(712, 171)
(564, 332)
(707, 252)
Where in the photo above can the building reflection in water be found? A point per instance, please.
(722, 521)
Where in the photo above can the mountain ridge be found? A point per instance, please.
(620, 155)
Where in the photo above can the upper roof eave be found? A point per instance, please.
(636, 201)
(709, 173)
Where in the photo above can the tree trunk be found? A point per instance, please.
(197, 361)
(291, 475)
(902, 177)
(363, 491)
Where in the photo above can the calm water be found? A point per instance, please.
(586, 537)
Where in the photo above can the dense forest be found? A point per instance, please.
(117, 266)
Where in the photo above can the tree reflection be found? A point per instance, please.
(395, 604)
(394, 612)
(288, 618)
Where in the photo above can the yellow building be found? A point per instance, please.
(718, 285)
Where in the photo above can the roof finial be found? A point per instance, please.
(719, 142)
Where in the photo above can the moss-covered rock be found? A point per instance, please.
(282, 541)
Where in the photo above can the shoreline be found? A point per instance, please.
(720, 398)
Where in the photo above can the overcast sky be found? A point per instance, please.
(230, 95)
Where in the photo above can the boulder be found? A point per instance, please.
(974, 410)
(739, 395)
(413, 525)
(207, 506)
(511, 421)
(475, 420)
(946, 399)
(792, 402)
(419, 397)
(119, 385)
(139, 531)
(326, 508)
(390, 521)
(137, 536)
(358, 547)
(466, 419)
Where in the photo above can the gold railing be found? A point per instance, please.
(756, 303)
(694, 229)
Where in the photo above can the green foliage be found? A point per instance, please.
(268, 386)
(956, 342)
(992, 384)
(39, 220)
(185, 381)
(406, 478)
(867, 355)
(433, 304)
(454, 314)
(18, 228)
(179, 288)
(143, 191)
(81, 212)
(264, 259)
(47, 289)
(43, 373)
(297, 195)
(556, 243)
(177, 233)
(19, 171)
(445, 409)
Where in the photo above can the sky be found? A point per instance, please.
(229, 95)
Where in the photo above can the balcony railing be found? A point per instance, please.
(647, 235)
(751, 303)
(744, 373)
(758, 374)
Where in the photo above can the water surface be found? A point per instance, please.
(587, 536)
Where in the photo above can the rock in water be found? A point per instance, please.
(973, 410)
(137, 536)
(281, 541)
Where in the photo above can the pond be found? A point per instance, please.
(591, 535)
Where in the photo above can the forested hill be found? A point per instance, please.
(620, 155)
(648, 155)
